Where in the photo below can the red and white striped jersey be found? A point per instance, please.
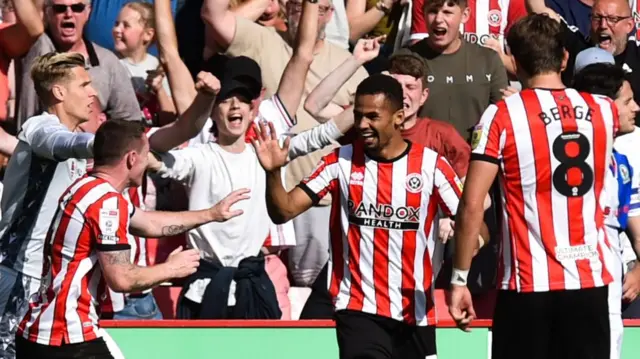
(92, 216)
(553, 148)
(110, 301)
(487, 18)
(383, 228)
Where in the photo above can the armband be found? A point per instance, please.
(459, 277)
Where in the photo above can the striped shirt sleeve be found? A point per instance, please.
(486, 140)
(109, 220)
(447, 186)
(323, 179)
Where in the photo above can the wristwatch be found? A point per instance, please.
(380, 5)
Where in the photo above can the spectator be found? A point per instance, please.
(488, 23)
(577, 14)
(66, 20)
(611, 23)
(48, 158)
(104, 14)
(243, 37)
(225, 165)
(133, 33)
(464, 78)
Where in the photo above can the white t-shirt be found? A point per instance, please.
(47, 160)
(138, 73)
(210, 173)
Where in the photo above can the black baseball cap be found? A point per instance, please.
(239, 74)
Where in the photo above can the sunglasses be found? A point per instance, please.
(61, 8)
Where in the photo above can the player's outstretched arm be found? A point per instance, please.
(123, 276)
(281, 205)
(165, 224)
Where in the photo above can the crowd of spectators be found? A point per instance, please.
(198, 72)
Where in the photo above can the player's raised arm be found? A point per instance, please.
(282, 205)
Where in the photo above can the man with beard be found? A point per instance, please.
(387, 192)
(611, 23)
(239, 36)
(66, 20)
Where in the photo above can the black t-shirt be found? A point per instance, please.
(629, 59)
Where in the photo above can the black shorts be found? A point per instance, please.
(93, 349)
(367, 336)
(569, 324)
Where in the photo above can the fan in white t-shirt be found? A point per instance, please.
(212, 170)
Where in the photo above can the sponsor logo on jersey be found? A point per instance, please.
(384, 216)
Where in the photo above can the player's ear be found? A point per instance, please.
(58, 92)
(131, 157)
(565, 59)
(398, 117)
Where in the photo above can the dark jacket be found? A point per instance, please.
(255, 293)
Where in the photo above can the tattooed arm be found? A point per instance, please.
(123, 276)
(166, 224)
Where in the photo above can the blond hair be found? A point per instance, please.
(147, 16)
(51, 69)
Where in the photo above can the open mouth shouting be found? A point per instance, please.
(68, 28)
(604, 41)
(235, 120)
(439, 33)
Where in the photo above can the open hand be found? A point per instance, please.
(207, 83)
(270, 154)
(368, 49)
(222, 211)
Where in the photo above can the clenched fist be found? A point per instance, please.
(183, 263)
(207, 83)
